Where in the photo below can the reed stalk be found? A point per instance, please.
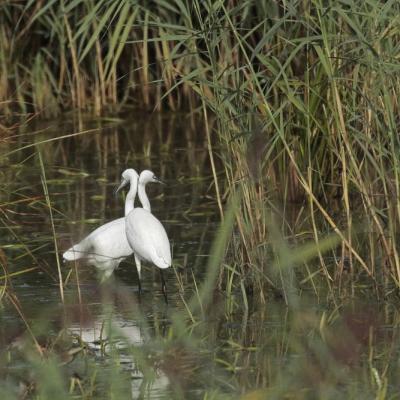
(304, 94)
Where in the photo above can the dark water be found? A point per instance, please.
(105, 338)
(81, 174)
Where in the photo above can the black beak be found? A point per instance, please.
(123, 184)
(158, 180)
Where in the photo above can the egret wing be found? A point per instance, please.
(148, 237)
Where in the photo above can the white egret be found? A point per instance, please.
(145, 233)
(107, 245)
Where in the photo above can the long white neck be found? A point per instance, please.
(130, 197)
(143, 197)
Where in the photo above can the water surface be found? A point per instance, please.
(105, 338)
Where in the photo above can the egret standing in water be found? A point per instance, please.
(107, 245)
(145, 233)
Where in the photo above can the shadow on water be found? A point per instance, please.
(105, 341)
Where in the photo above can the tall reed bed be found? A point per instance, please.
(89, 55)
(305, 95)
(305, 99)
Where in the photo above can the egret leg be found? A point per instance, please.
(105, 274)
(163, 286)
(138, 268)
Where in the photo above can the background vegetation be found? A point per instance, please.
(300, 107)
(305, 95)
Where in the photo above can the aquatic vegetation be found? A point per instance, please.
(303, 96)
(210, 341)
(285, 209)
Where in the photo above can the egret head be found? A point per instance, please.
(147, 176)
(128, 176)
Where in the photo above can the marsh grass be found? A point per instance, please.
(216, 339)
(299, 102)
(304, 96)
(298, 119)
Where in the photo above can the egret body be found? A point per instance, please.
(107, 245)
(145, 233)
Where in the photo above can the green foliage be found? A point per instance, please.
(305, 99)
(304, 95)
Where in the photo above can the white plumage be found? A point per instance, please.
(148, 238)
(103, 248)
(107, 245)
(145, 233)
(139, 232)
